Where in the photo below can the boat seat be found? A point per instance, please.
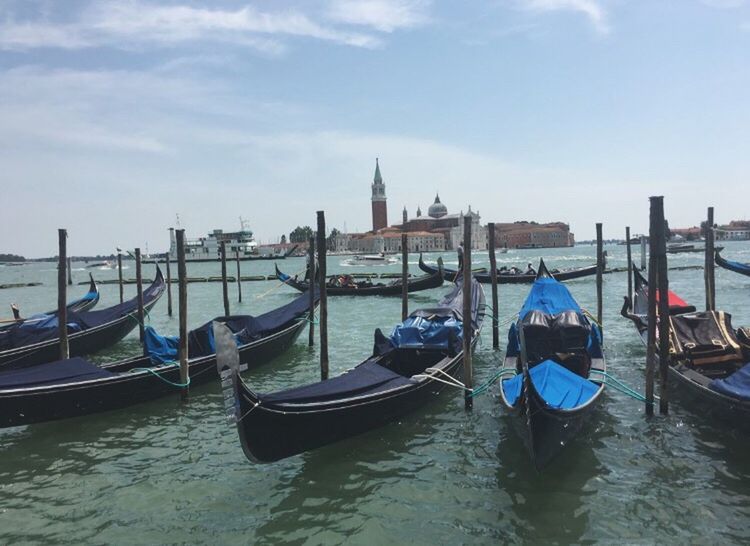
(53, 373)
(366, 379)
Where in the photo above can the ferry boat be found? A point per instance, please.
(208, 249)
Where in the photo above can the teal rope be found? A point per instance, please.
(167, 381)
(314, 321)
(487, 384)
(621, 387)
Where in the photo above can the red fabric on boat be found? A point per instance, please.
(674, 300)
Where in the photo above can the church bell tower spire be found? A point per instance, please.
(379, 208)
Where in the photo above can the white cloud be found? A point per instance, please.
(21, 36)
(593, 11)
(184, 23)
(131, 24)
(382, 15)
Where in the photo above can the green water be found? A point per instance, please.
(173, 472)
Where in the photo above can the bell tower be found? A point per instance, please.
(379, 208)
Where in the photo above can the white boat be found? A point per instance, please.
(371, 259)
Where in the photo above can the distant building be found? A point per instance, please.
(736, 230)
(532, 235)
(438, 231)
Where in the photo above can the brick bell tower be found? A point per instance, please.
(379, 208)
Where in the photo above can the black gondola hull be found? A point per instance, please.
(742, 269)
(80, 343)
(450, 275)
(305, 429)
(546, 431)
(435, 280)
(27, 406)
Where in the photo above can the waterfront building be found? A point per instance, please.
(525, 234)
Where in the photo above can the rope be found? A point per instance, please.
(487, 384)
(167, 381)
(432, 374)
(248, 412)
(592, 318)
(314, 321)
(283, 283)
(621, 386)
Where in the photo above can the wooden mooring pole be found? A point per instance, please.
(311, 284)
(62, 309)
(239, 276)
(467, 323)
(599, 275)
(663, 311)
(404, 276)
(169, 285)
(709, 272)
(224, 287)
(493, 277)
(119, 275)
(141, 312)
(182, 303)
(643, 253)
(323, 297)
(70, 271)
(652, 291)
(630, 265)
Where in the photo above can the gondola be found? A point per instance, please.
(511, 278)
(708, 357)
(74, 387)
(555, 357)
(737, 267)
(88, 331)
(405, 371)
(365, 288)
(86, 302)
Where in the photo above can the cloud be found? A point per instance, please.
(131, 24)
(594, 12)
(382, 15)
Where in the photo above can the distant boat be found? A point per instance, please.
(374, 259)
(682, 248)
(737, 267)
(208, 249)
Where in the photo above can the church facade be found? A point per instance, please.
(435, 232)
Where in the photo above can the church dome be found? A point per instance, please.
(437, 209)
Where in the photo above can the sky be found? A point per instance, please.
(115, 117)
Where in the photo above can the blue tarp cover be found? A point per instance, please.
(559, 387)
(367, 378)
(419, 332)
(736, 385)
(549, 296)
(161, 349)
(63, 371)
